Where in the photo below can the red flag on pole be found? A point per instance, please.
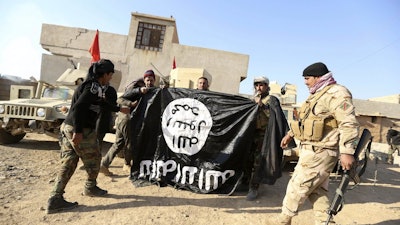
(174, 64)
(95, 49)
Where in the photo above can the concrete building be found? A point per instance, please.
(378, 117)
(152, 43)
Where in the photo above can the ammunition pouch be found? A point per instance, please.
(297, 129)
(313, 128)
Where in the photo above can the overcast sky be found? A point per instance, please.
(359, 40)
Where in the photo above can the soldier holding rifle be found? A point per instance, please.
(328, 130)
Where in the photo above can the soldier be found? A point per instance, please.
(122, 133)
(142, 95)
(104, 122)
(271, 126)
(327, 130)
(393, 140)
(202, 84)
(79, 137)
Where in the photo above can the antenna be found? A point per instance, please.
(164, 77)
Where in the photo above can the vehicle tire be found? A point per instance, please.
(7, 138)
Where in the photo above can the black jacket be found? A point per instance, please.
(105, 120)
(272, 153)
(85, 106)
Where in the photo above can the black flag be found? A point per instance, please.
(192, 139)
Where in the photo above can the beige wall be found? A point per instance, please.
(187, 77)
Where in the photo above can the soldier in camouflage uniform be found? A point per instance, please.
(122, 133)
(79, 137)
(139, 94)
(327, 129)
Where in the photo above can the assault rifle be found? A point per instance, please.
(361, 157)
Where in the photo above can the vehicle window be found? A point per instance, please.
(57, 93)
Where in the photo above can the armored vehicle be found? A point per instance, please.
(44, 113)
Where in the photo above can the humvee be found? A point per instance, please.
(44, 113)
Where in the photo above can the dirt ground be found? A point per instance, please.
(28, 170)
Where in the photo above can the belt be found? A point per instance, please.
(317, 149)
(311, 147)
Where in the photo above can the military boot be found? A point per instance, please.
(94, 191)
(57, 203)
(253, 194)
(281, 219)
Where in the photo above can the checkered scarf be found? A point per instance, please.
(324, 81)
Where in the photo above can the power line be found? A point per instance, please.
(371, 54)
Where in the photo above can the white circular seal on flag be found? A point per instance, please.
(186, 123)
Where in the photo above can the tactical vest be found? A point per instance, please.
(263, 116)
(311, 127)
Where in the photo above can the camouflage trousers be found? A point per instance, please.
(88, 150)
(310, 181)
(254, 161)
(122, 142)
